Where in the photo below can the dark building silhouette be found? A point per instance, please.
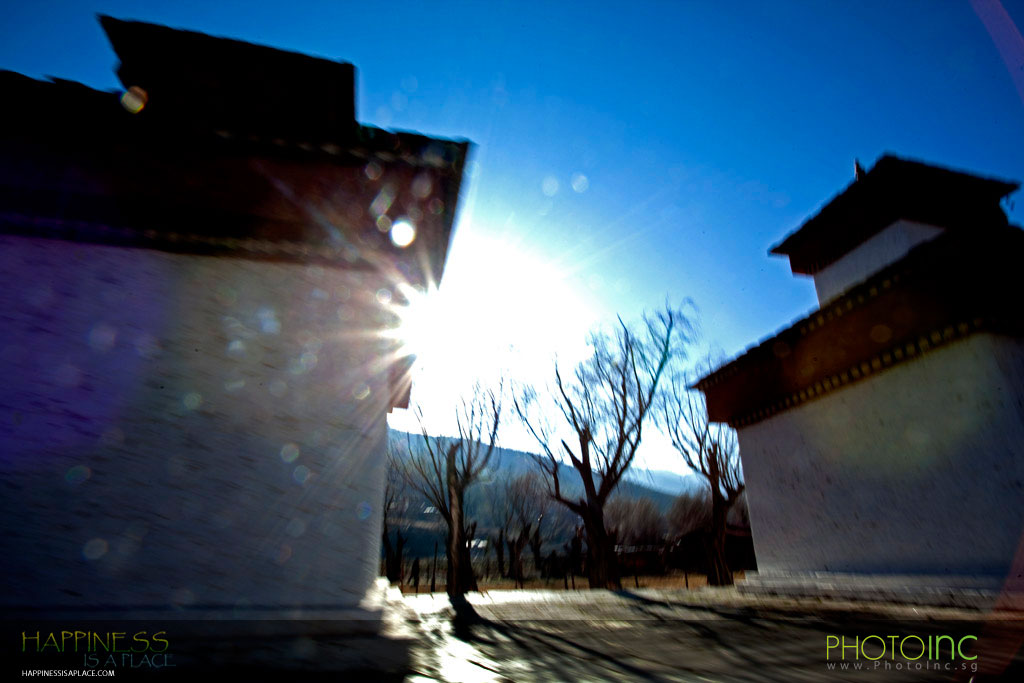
(198, 277)
(881, 435)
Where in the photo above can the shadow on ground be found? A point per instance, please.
(600, 636)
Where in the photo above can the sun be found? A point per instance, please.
(420, 312)
(502, 310)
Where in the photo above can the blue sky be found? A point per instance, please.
(634, 150)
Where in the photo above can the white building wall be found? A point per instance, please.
(918, 470)
(884, 248)
(186, 430)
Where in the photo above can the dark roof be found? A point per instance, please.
(219, 82)
(894, 189)
(249, 179)
(943, 290)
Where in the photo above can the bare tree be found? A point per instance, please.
(605, 405)
(637, 527)
(499, 550)
(691, 511)
(710, 450)
(395, 501)
(524, 499)
(635, 521)
(445, 467)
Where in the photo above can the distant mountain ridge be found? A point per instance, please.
(661, 486)
(665, 481)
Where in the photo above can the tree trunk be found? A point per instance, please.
(718, 571)
(399, 562)
(575, 556)
(602, 567)
(393, 556)
(433, 571)
(388, 555)
(460, 566)
(499, 547)
(536, 545)
(467, 579)
(453, 549)
(515, 557)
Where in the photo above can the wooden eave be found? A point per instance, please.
(77, 166)
(893, 189)
(941, 291)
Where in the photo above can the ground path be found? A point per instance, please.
(707, 635)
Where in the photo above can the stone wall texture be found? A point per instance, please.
(918, 471)
(187, 431)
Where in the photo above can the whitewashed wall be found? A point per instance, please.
(918, 470)
(875, 253)
(186, 430)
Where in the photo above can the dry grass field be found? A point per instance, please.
(672, 580)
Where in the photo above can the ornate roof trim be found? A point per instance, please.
(942, 290)
(894, 189)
